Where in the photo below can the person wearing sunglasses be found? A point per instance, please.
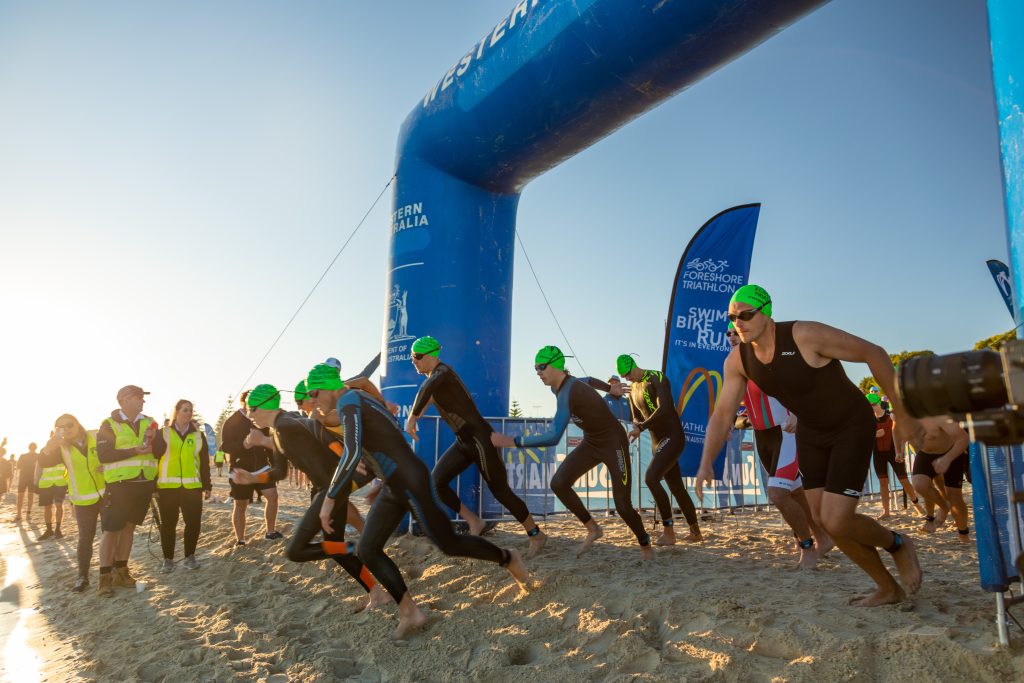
(775, 441)
(604, 442)
(75, 449)
(445, 390)
(652, 406)
(800, 364)
(371, 434)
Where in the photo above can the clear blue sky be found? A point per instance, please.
(173, 179)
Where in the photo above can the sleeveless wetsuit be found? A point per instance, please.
(652, 406)
(775, 448)
(472, 441)
(371, 434)
(835, 434)
(604, 442)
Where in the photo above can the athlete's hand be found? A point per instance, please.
(909, 429)
(879, 433)
(941, 465)
(243, 477)
(325, 515)
(502, 440)
(393, 408)
(705, 475)
(617, 390)
(410, 427)
(789, 426)
(634, 434)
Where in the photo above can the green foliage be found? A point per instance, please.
(996, 341)
(227, 411)
(515, 410)
(867, 382)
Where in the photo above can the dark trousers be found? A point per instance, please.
(187, 502)
(86, 516)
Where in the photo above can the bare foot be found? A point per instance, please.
(825, 544)
(907, 565)
(883, 596)
(647, 552)
(808, 559)
(963, 538)
(918, 507)
(668, 537)
(885, 515)
(537, 544)
(518, 570)
(929, 526)
(409, 624)
(593, 533)
(695, 536)
(940, 517)
(377, 597)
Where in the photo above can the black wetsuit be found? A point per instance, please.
(314, 450)
(472, 441)
(835, 435)
(372, 434)
(653, 408)
(604, 441)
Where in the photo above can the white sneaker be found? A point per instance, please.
(167, 567)
(191, 562)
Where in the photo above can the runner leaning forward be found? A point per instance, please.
(371, 434)
(604, 442)
(799, 363)
(472, 444)
(653, 408)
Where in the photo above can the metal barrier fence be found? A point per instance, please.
(743, 485)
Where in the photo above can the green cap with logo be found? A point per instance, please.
(753, 295)
(264, 397)
(323, 376)
(300, 391)
(550, 355)
(428, 346)
(624, 364)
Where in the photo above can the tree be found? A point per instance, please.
(867, 382)
(995, 342)
(515, 410)
(225, 413)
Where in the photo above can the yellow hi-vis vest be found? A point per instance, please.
(52, 476)
(179, 465)
(218, 457)
(130, 468)
(86, 485)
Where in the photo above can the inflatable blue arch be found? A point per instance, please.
(549, 79)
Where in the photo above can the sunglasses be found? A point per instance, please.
(745, 316)
(540, 367)
(313, 394)
(418, 356)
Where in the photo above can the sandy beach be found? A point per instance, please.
(730, 609)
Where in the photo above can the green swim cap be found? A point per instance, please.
(324, 377)
(300, 391)
(753, 295)
(551, 355)
(874, 399)
(428, 346)
(625, 364)
(264, 397)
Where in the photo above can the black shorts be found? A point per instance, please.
(768, 443)
(124, 503)
(246, 491)
(54, 494)
(954, 476)
(882, 459)
(27, 485)
(837, 461)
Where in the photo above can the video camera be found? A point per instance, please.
(983, 390)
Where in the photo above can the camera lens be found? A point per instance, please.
(958, 383)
